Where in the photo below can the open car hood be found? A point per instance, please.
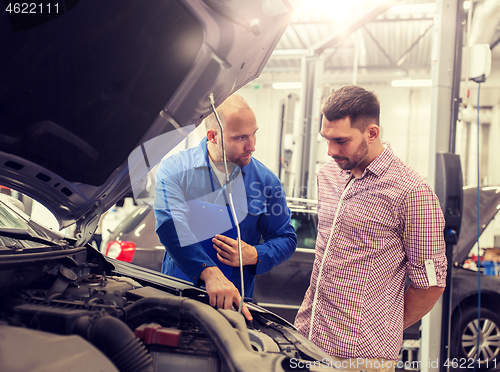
(489, 206)
(95, 93)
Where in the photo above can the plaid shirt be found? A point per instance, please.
(372, 231)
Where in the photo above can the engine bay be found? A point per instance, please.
(76, 312)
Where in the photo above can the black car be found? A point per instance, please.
(94, 94)
(134, 239)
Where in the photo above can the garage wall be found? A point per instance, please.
(266, 103)
(405, 123)
(405, 118)
(467, 130)
(494, 148)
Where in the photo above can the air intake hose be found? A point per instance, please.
(116, 341)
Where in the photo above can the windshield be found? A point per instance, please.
(11, 220)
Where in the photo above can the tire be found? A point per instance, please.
(464, 339)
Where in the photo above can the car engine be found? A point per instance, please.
(78, 313)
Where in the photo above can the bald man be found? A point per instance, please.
(193, 218)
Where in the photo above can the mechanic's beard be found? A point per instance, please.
(356, 159)
(231, 158)
(243, 162)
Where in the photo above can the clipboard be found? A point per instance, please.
(205, 221)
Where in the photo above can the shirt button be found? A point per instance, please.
(204, 265)
(194, 277)
(260, 261)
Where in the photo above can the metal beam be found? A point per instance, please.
(315, 126)
(445, 74)
(304, 139)
(349, 68)
(412, 46)
(334, 39)
(304, 45)
(374, 39)
(385, 20)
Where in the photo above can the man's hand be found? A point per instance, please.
(419, 302)
(227, 251)
(222, 292)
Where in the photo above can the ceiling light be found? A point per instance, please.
(467, 5)
(288, 85)
(335, 11)
(412, 83)
(414, 8)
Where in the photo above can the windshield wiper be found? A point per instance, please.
(23, 234)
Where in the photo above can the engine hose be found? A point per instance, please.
(113, 337)
(210, 321)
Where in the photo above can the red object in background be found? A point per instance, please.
(155, 334)
(121, 250)
(473, 257)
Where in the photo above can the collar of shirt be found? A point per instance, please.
(377, 167)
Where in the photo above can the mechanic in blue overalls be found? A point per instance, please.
(193, 218)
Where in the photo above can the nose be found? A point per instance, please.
(333, 149)
(250, 145)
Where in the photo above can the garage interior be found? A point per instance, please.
(416, 56)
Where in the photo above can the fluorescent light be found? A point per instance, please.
(467, 5)
(288, 85)
(414, 8)
(412, 83)
(340, 12)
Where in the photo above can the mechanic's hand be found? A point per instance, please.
(227, 251)
(222, 292)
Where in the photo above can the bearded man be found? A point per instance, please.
(378, 221)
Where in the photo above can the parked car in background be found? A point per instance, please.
(134, 240)
(94, 93)
(282, 289)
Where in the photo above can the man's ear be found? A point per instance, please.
(373, 131)
(212, 136)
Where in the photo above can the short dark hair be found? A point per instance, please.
(355, 102)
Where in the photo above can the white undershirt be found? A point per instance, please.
(221, 176)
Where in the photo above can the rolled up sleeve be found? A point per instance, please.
(423, 238)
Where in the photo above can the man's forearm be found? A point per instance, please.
(419, 302)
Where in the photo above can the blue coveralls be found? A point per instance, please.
(186, 178)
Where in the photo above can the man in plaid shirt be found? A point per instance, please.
(378, 220)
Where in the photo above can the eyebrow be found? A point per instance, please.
(244, 135)
(335, 138)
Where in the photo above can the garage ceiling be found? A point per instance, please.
(384, 45)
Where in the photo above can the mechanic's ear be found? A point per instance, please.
(212, 135)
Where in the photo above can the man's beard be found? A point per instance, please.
(240, 162)
(356, 159)
(230, 157)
